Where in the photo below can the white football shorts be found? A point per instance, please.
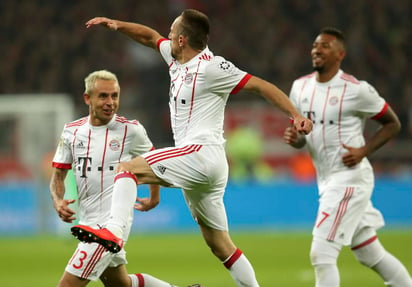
(90, 260)
(201, 171)
(345, 208)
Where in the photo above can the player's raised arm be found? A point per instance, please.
(275, 96)
(138, 32)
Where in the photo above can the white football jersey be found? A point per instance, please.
(198, 93)
(338, 109)
(94, 152)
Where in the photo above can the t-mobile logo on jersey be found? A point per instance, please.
(310, 115)
(84, 165)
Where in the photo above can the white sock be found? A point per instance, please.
(123, 200)
(372, 254)
(323, 256)
(327, 275)
(241, 270)
(393, 271)
(146, 280)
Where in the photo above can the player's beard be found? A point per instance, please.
(318, 69)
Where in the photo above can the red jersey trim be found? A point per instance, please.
(62, 165)
(79, 122)
(349, 78)
(175, 152)
(121, 119)
(381, 113)
(241, 84)
(367, 242)
(159, 42)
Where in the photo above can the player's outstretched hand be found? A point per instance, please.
(302, 125)
(145, 203)
(109, 23)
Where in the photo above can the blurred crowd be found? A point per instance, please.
(47, 49)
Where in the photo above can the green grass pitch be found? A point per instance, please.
(279, 259)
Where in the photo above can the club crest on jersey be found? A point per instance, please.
(333, 100)
(114, 145)
(188, 78)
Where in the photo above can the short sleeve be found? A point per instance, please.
(293, 94)
(370, 103)
(165, 50)
(223, 77)
(141, 142)
(63, 158)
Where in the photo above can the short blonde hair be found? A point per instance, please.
(92, 77)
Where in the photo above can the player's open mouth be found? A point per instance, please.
(317, 60)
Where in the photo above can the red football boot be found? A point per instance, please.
(102, 236)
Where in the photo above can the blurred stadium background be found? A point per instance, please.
(47, 52)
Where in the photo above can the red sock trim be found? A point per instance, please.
(140, 279)
(369, 241)
(128, 174)
(232, 259)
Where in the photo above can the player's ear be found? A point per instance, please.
(342, 54)
(86, 98)
(182, 40)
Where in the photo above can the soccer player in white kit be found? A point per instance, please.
(93, 146)
(199, 88)
(338, 104)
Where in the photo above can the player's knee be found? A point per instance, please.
(369, 254)
(324, 252)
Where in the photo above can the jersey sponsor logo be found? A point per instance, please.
(84, 165)
(310, 115)
(161, 168)
(114, 145)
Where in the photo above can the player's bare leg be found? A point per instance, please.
(70, 280)
(232, 258)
